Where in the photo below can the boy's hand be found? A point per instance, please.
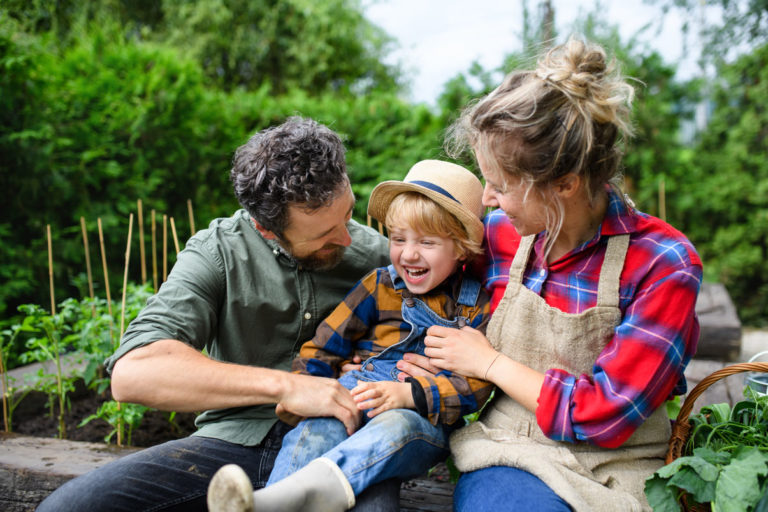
(382, 396)
(355, 364)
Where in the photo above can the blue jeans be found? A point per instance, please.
(498, 488)
(174, 476)
(398, 443)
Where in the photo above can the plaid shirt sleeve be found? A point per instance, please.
(336, 336)
(636, 372)
(450, 396)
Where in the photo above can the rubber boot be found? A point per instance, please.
(320, 486)
(230, 490)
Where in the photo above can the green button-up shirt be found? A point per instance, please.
(246, 301)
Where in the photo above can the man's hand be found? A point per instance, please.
(308, 396)
(382, 396)
(287, 417)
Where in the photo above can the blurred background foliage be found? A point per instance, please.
(105, 102)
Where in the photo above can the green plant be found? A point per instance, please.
(12, 395)
(119, 415)
(48, 342)
(725, 462)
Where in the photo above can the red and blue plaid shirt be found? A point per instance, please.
(642, 366)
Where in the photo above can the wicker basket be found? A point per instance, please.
(682, 427)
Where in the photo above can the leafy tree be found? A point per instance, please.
(314, 46)
(324, 46)
(729, 185)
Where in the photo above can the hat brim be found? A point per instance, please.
(383, 194)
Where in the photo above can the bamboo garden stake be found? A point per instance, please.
(140, 220)
(154, 252)
(369, 220)
(50, 269)
(106, 275)
(88, 266)
(662, 200)
(175, 238)
(125, 274)
(191, 217)
(165, 247)
(122, 316)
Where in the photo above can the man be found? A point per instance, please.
(249, 290)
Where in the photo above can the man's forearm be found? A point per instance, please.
(170, 375)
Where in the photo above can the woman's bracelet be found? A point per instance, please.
(489, 366)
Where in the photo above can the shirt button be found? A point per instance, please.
(369, 366)
(307, 315)
(542, 272)
(275, 252)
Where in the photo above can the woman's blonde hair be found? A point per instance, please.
(565, 116)
(414, 210)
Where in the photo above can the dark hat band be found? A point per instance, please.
(434, 188)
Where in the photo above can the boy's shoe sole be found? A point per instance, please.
(230, 490)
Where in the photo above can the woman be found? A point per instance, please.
(594, 301)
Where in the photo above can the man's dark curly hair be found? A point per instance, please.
(299, 162)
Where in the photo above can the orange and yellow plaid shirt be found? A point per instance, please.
(370, 319)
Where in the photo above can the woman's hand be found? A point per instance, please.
(382, 396)
(415, 365)
(465, 351)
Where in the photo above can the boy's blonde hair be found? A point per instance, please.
(414, 210)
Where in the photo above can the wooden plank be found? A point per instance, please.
(31, 468)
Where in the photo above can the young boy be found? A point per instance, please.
(433, 221)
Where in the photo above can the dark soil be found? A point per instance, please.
(33, 418)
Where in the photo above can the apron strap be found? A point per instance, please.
(519, 262)
(613, 263)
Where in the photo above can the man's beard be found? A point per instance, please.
(314, 261)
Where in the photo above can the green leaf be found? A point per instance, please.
(712, 456)
(704, 469)
(661, 497)
(702, 491)
(738, 487)
(718, 413)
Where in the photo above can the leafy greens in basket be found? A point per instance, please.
(725, 461)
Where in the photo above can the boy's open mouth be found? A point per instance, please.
(416, 272)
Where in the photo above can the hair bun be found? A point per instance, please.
(573, 67)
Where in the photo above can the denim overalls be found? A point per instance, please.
(396, 443)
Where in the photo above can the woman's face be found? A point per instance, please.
(517, 199)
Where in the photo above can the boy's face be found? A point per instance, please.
(423, 261)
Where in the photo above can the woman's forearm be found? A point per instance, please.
(519, 382)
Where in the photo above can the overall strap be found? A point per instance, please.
(470, 290)
(608, 286)
(520, 261)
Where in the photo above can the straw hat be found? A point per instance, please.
(451, 186)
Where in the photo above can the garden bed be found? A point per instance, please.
(33, 419)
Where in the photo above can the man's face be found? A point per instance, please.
(317, 238)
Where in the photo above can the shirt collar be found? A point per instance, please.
(620, 218)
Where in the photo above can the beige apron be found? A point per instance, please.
(528, 330)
